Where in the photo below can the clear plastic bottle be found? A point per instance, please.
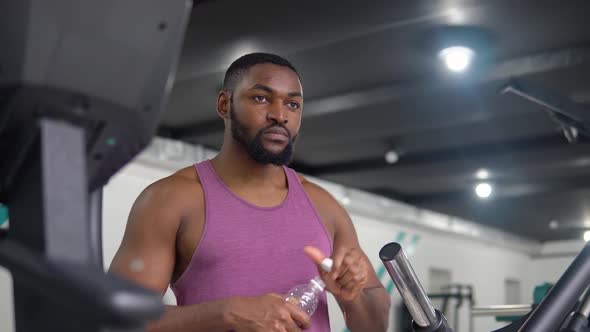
(307, 296)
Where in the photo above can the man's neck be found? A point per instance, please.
(236, 167)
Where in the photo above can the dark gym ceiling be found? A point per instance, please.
(373, 82)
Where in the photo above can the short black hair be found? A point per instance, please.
(236, 70)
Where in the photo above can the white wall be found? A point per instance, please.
(554, 258)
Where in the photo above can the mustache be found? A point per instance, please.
(276, 125)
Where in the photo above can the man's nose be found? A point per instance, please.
(278, 114)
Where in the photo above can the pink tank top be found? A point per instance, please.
(246, 250)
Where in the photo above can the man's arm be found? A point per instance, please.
(369, 309)
(147, 256)
(353, 282)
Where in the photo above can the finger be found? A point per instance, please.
(344, 269)
(332, 286)
(288, 324)
(353, 258)
(350, 285)
(338, 261)
(355, 275)
(292, 327)
(338, 270)
(316, 255)
(299, 316)
(345, 279)
(352, 289)
(354, 286)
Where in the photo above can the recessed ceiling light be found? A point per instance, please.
(457, 58)
(391, 157)
(483, 190)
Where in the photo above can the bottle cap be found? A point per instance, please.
(326, 264)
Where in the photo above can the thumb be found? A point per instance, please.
(318, 257)
(315, 254)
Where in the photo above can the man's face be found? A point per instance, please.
(265, 113)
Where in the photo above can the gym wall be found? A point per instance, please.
(553, 259)
(485, 264)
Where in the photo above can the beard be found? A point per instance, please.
(254, 146)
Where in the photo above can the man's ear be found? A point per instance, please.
(223, 104)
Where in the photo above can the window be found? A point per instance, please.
(512, 288)
(437, 279)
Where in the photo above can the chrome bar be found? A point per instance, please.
(501, 310)
(407, 283)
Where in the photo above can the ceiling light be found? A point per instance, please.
(554, 224)
(391, 157)
(483, 190)
(587, 236)
(482, 174)
(457, 58)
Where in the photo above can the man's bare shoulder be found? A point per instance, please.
(181, 189)
(320, 196)
(187, 174)
(312, 187)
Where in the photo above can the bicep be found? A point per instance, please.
(148, 249)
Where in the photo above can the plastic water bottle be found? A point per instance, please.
(307, 296)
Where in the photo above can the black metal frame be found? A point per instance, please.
(57, 288)
(69, 119)
(550, 314)
(95, 217)
(571, 118)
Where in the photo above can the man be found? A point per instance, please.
(233, 234)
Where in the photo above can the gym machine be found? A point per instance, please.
(453, 294)
(82, 87)
(511, 312)
(425, 317)
(459, 293)
(560, 310)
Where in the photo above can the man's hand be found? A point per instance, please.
(349, 274)
(265, 313)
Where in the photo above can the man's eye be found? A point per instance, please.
(294, 105)
(260, 98)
